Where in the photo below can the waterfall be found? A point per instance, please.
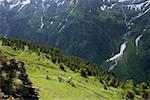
(137, 43)
(118, 56)
(129, 25)
(123, 46)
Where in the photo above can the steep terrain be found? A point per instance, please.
(132, 60)
(45, 65)
(90, 29)
(77, 27)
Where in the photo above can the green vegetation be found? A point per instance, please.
(78, 28)
(88, 81)
(82, 28)
(135, 66)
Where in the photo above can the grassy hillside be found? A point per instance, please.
(81, 88)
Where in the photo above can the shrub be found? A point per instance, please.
(84, 72)
(62, 68)
(130, 94)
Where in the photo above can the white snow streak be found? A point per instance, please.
(118, 56)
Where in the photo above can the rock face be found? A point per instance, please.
(14, 82)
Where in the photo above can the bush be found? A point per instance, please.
(84, 72)
(62, 68)
(130, 94)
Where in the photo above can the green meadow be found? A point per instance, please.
(82, 89)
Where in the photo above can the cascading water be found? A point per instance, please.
(137, 43)
(123, 47)
(116, 58)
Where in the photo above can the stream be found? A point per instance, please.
(117, 57)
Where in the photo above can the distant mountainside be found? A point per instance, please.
(91, 29)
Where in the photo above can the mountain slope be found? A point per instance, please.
(82, 87)
(36, 67)
(91, 29)
(63, 24)
(136, 58)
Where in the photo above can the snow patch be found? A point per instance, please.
(42, 23)
(62, 28)
(51, 22)
(14, 5)
(60, 3)
(56, 16)
(90, 11)
(107, 7)
(23, 3)
(136, 7)
(59, 24)
(104, 7)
